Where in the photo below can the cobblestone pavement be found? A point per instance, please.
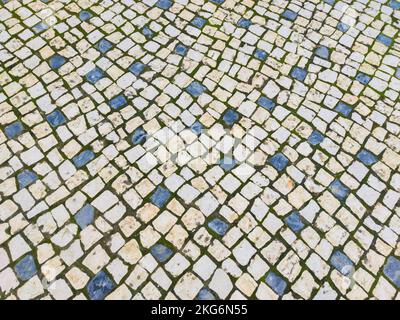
(202, 149)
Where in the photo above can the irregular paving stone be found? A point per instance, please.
(218, 226)
(85, 216)
(315, 138)
(26, 178)
(195, 89)
(161, 252)
(160, 197)
(83, 158)
(230, 117)
(94, 75)
(137, 68)
(342, 263)
(56, 118)
(392, 270)
(139, 136)
(279, 161)
(294, 222)
(104, 45)
(276, 283)
(14, 130)
(118, 102)
(100, 286)
(339, 190)
(216, 149)
(26, 268)
(56, 61)
(205, 294)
